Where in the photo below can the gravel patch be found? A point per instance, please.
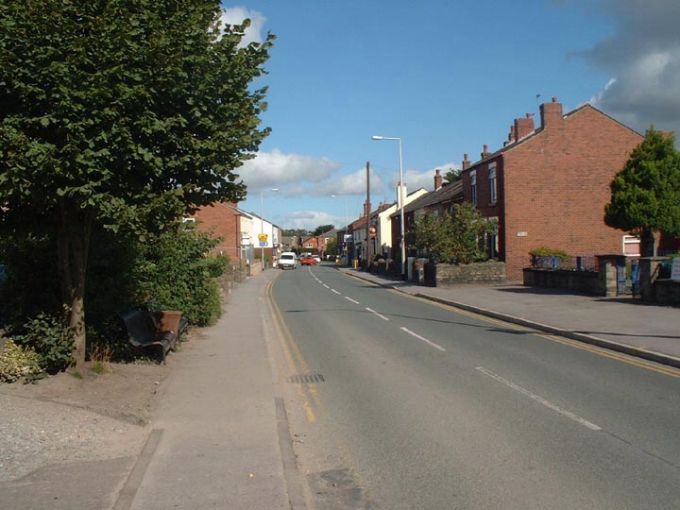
(34, 433)
(65, 418)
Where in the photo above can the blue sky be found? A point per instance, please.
(446, 77)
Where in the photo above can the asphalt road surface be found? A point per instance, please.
(401, 403)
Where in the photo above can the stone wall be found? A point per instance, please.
(587, 282)
(479, 272)
(667, 292)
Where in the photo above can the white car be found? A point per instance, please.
(287, 260)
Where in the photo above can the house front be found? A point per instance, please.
(548, 186)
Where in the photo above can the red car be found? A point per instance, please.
(308, 261)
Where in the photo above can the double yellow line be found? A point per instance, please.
(309, 393)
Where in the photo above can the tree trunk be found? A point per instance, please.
(73, 243)
(647, 243)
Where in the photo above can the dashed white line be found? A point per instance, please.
(378, 314)
(335, 292)
(539, 399)
(326, 286)
(432, 344)
(352, 300)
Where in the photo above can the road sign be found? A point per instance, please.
(263, 237)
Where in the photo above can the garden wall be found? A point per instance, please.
(667, 292)
(587, 282)
(479, 272)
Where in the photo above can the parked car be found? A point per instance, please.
(308, 260)
(287, 260)
(317, 258)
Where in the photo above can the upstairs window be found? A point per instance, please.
(473, 187)
(493, 188)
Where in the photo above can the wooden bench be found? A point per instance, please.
(144, 332)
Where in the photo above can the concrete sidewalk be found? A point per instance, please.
(218, 420)
(624, 325)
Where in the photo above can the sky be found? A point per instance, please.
(446, 77)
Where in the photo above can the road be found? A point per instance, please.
(396, 402)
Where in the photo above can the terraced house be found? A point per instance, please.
(548, 185)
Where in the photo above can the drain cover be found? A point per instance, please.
(306, 378)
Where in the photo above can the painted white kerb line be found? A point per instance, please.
(352, 300)
(378, 314)
(540, 400)
(432, 344)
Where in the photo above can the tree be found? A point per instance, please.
(322, 229)
(453, 175)
(122, 114)
(454, 238)
(646, 194)
(332, 247)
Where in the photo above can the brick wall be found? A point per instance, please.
(222, 220)
(556, 185)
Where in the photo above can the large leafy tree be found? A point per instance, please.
(646, 193)
(322, 229)
(120, 113)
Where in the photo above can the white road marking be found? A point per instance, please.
(326, 286)
(436, 346)
(378, 314)
(540, 400)
(335, 291)
(352, 300)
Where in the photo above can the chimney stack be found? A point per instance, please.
(466, 162)
(551, 113)
(367, 208)
(524, 126)
(485, 151)
(401, 194)
(438, 180)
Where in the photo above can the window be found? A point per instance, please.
(473, 187)
(493, 189)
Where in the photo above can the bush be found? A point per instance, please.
(549, 252)
(17, 363)
(176, 272)
(453, 238)
(50, 339)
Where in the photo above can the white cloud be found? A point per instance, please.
(415, 179)
(236, 15)
(311, 219)
(288, 171)
(642, 57)
(351, 184)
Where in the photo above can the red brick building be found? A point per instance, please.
(222, 219)
(548, 186)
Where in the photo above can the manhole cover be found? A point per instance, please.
(306, 378)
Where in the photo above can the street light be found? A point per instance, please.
(400, 198)
(262, 233)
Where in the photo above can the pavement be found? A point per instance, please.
(621, 324)
(218, 435)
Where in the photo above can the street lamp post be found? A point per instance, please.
(400, 199)
(262, 225)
